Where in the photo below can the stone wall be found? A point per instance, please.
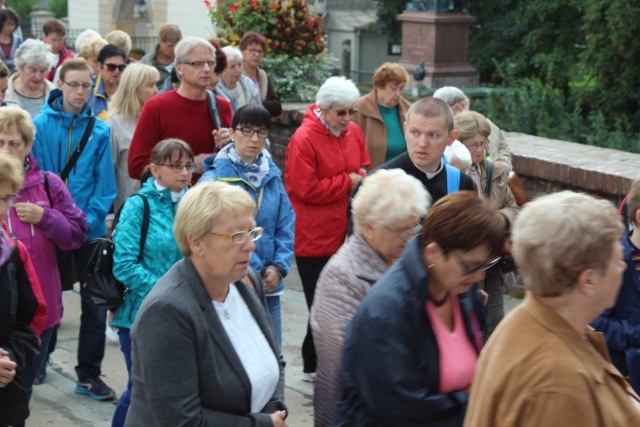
(544, 165)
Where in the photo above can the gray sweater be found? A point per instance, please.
(121, 134)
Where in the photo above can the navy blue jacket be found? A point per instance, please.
(621, 323)
(390, 364)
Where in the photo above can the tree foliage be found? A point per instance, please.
(22, 7)
(58, 7)
(387, 23)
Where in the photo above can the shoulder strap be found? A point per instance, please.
(83, 142)
(212, 102)
(453, 179)
(259, 202)
(145, 221)
(46, 187)
(487, 190)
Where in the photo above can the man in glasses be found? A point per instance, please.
(112, 60)
(65, 126)
(189, 113)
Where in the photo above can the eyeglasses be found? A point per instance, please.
(113, 67)
(342, 113)
(199, 64)
(248, 132)
(177, 167)
(6, 200)
(241, 236)
(407, 233)
(258, 52)
(473, 147)
(482, 267)
(76, 85)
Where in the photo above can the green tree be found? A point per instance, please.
(387, 23)
(59, 8)
(22, 7)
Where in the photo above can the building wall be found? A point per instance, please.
(84, 14)
(373, 53)
(192, 17)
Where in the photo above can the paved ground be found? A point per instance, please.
(54, 404)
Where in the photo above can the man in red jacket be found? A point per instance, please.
(201, 120)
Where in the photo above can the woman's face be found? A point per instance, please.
(338, 117)
(222, 260)
(33, 75)
(175, 173)
(252, 55)
(232, 73)
(9, 27)
(146, 91)
(248, 147)
(13, 144)
(457, 270)
(6, 194)
(389, 241)
(476, 146)
(389, 96)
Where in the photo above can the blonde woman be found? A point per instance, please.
(137, 85)
(89, 50)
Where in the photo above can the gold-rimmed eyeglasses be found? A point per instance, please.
(241, 236)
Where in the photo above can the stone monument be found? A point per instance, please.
(437, 31)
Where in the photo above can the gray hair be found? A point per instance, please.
(34, 52)
(451, 95)
(233, 54)
(187, 44)
(86, 34)
(337, 90)
(387, 196)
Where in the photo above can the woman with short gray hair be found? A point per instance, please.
(28, 88)
(326, 158)
(386, 213)
(237, 88)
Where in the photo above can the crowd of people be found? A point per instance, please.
(399, 218)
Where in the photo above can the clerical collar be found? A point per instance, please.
(430, 175)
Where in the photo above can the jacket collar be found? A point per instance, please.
(367, 264)
(223, 167)
(414, 267)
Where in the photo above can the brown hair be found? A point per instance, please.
(252, 37)
(163, 151)
(431, 107)
(221, 58)
(74, 64)
(390, 72)
(463, 221)
(633, 203)
(4, 70)
(470, 124)
(170, 33)
(54, 26)
(6, 15)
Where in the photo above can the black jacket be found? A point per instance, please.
(390, 363)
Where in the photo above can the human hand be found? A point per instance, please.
(271, 279)
(355, 179)
(484, 295)
(222, 137)
(29, 212)
(278, 418)
(7, 368)
(198, 160)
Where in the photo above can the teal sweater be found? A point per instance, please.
(159, 254)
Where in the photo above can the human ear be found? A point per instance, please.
(585, 283)
(431, 254)
(453, 135)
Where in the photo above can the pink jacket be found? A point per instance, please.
(62, 224)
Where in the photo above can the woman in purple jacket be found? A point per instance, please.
(42, 217)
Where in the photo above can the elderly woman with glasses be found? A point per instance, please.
(246, 163)
(490, 177)
(28, 87)
(411, 348)
(236, 87)
(386, 212)
(253, 47)
(326, 158)
(203, 347)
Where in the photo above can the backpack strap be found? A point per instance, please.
(487, 190)
(212, 102)
(146, 213)
(453, 179)
(79, 149)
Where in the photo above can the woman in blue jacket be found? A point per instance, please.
(169, 174)
(246, 163)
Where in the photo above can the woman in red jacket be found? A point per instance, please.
(326, 158)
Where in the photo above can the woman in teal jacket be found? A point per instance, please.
(172, 164)
(246, 163)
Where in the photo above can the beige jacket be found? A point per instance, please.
(501, 195)
(497, 146)
(538, 371)
(371, 123)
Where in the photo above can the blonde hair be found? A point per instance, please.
(125, 102)
(558, 236)
(11, 172)
(201, 207)
(120, 39)
(387, 196)
(91, 47)
(16, 119)
(469, 124)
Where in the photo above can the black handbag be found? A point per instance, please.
(104, 289)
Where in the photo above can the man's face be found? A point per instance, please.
(197, 73)
(166, 47)
(112, 69)
(4, 84)
(74, 98)
(427, 137)
(55, 40)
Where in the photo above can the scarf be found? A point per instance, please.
(474, 173)
(254, 172)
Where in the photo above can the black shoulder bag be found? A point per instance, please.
(79, 149)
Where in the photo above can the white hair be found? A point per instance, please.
(387, 196)
(187, 44)
(337, 90)
(233, 54)
(34, 52)
(86, 34)
(458, 151)
(451, 95)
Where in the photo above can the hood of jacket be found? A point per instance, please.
(219, 166)
(53, 107)
(314, 125)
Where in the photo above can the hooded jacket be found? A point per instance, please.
(62, 225)
(92, 182)
(98, 100)
(316, 177)
(276, 216)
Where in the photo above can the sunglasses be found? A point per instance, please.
(342, 113)
(113, 67)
